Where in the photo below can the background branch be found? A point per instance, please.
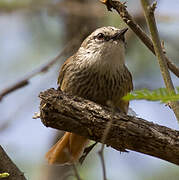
(129, 20)
(149, 14)
(105, 134)
(6, 165)
(44, 68)
(86, 118)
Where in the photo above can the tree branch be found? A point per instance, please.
(149, 14)
(42, 69)
(86, 118)
(128, 19)
(6, 165)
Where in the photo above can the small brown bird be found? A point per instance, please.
(96, 72)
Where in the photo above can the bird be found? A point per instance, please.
(96, 72)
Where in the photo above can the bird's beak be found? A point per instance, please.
(123, 31)
(119, 34)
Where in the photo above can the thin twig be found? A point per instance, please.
(76, 172)
(73, 165)
(67, 175)
(149, 14)
(43, 68)
(128, 19)
(101, 155)
(106, 131)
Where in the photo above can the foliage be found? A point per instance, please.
(4, 175)
(160, 94)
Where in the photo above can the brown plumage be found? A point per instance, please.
(96, 72)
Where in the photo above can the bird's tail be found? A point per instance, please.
(67, 150)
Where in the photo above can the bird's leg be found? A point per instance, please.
(86, 152)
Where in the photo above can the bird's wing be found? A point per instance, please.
(128, 87)
(62, 72)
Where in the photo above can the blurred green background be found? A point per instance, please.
(34, 32)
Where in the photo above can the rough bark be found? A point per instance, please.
(121, 8)
(6, 165)
(86, 118)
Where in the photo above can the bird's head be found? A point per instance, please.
(105, 45)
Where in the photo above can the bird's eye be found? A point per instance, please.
(100, 36)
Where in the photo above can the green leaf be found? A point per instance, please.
(160, 94)
(4, 175)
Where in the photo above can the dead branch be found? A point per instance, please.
(150, 18)
(6, 165)
(86, 118)
(43, 68)
(105, 134)
(129, 20)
